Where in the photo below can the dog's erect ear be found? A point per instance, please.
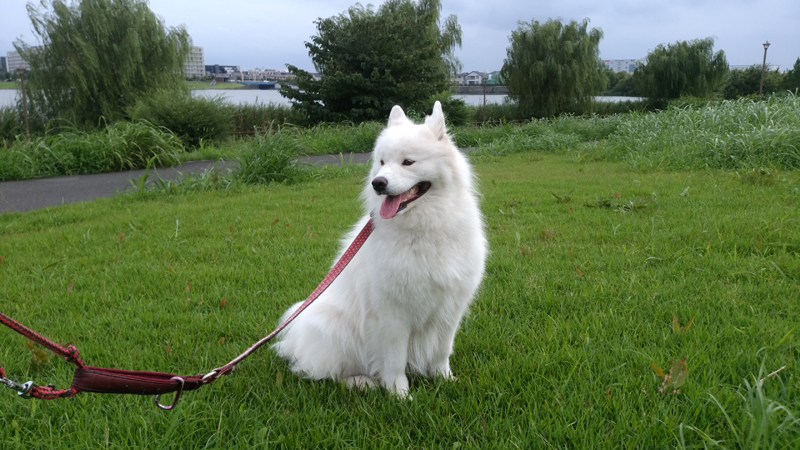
(436, 121)
(397, 116)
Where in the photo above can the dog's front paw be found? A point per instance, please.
(398, 386)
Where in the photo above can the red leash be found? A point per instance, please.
(117, 381)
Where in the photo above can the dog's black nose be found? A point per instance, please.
(379, 184)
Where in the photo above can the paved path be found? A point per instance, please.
(26, 195)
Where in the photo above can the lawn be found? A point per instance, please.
(8, 85)
(590, 261)
(207, 85)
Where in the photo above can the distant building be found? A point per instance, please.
(622, 65)
(470, 79)
(195, 63)
(217, 69)
(14, 61)
(3, 64)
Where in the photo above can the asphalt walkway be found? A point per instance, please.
(26, 195)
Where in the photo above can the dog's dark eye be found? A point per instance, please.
(408, 162)
(381, 162)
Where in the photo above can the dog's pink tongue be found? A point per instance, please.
(390, 206)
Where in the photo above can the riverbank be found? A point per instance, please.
(479, 90)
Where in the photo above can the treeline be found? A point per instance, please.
(401, 53)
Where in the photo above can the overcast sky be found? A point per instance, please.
(271, 33)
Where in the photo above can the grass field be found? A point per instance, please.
(207, 85)
(590, 262)
(8, 85)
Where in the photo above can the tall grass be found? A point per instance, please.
(248, 119)
(121, 146)
(733, 134)
(268, 158)
(546, 135)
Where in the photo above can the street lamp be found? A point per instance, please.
(763, 68)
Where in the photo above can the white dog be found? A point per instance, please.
(398, 305)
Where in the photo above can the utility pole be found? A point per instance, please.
(763, 69)
(21, 72)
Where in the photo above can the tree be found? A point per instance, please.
(371, 61)
(625, 87)
(97, 57)
(553, 67)
(744, 82)
(791, 79)
(684, 68)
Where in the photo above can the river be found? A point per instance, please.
(249, 96)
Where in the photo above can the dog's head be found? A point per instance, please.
(413, 164)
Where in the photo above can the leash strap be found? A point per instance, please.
(117, 381)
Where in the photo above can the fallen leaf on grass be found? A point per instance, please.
(677, 328)
(38, 356)
(579, 270)
(562, 198)
(277, 219)
(547, 235)
(674, 378)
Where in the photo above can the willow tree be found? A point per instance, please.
(683, 68)
(97, 57)
(554, 67)
(371, 60)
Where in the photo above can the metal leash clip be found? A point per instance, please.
(23, 389)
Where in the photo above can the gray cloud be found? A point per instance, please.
(270, 34)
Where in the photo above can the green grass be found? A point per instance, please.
(207, 85)
(8, 84)
(332, 139)
(589, 263)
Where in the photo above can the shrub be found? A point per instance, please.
(10, 127)
(192, 119)
(268, 158)
(456, 111)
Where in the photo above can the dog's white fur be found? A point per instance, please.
(398, 305)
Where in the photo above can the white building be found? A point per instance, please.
(194, 66)
(15, 61)
(622, 65)
(470, 79)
